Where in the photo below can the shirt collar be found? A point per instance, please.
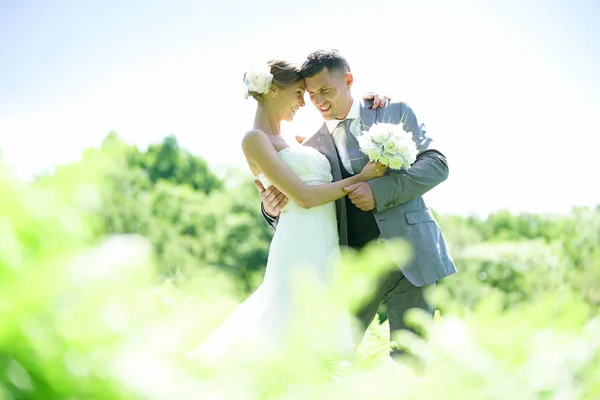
(352, 114)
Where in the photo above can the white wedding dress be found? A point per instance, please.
(304, 249)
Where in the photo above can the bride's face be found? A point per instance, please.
(289, 100)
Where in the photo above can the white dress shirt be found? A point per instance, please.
(354, 115)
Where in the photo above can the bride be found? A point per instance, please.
(305, 244)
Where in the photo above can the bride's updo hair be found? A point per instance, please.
(284, 73)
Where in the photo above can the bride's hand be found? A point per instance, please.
(376, 99)
(373, 170)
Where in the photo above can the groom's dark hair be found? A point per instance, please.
(324, 58)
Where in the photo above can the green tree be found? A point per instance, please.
(167, 161)
(171, 197)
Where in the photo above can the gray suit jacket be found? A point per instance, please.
(400, 209)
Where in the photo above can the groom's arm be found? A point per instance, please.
(272, 203)
(273, 200)
(270, 220)
(429, 169)
(399, 186)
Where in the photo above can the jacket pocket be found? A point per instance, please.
(415, 217)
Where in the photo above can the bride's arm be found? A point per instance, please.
(259, 151)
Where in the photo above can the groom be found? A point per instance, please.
(383, 208)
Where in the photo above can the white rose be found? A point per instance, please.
(389, 155)
(368, 147)
(409, 152)
(391, 145)
(396, 163)
(380, 133)
(258, 78)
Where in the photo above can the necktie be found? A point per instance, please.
(352, 158)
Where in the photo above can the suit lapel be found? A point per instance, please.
(367, 116)
(323, 142)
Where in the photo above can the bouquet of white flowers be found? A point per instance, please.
(389, 144)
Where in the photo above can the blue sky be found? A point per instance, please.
(509, 90)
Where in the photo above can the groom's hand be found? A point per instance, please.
(361, 195)
(273, 200)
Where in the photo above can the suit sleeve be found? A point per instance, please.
(429, 169)
(270, 220)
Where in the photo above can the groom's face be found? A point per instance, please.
(330, 92)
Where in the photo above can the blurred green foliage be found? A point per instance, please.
(112, 268)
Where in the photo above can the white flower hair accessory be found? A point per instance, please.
(258, 78)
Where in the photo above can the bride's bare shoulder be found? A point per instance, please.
(254, 132)
(254, 137)
(256, 143)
